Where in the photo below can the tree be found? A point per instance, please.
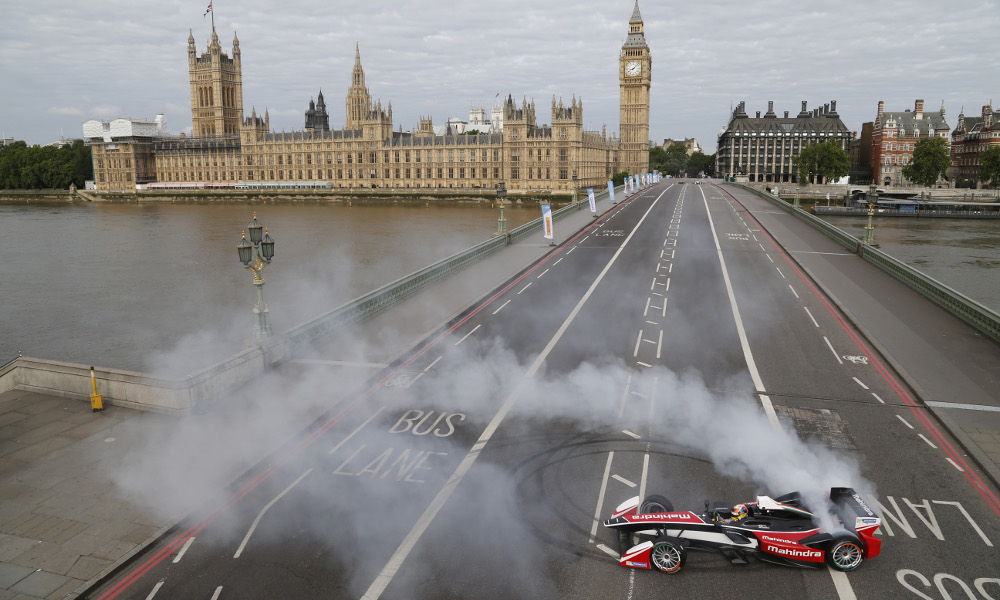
(45, 167)
(657, 156)
(699, 162)
(989, 165)
(822, 161)
(471, 132)
(619, 178)
(930, 160)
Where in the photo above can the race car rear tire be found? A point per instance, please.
(655, 504)
(667, 556)
(845, 555)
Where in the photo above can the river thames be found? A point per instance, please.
(129, 286)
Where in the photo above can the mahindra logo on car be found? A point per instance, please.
(862, 504)
(661, 516)
(793, 552)
(775, 539)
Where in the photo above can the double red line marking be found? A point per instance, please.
(918, 411)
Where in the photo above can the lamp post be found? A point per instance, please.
(501, 222)
(255, 255)
(869, 228)
(575, 199)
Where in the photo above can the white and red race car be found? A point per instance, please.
(652, 535)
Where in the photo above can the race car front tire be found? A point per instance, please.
(667, 555)
(655, 504)
(844, 555)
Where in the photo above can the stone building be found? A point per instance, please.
(228, 148)
(973, 136)
(690, 145)
(860, 154)
(123, 151)
(894, 136)
(762, 147)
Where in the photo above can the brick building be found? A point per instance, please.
(972, 137)
(894, 136)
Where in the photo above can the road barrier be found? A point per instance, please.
(968, 310)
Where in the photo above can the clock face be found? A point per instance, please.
(633, 68)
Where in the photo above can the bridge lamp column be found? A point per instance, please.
(575, 198)
(255, 255)
(501, 222)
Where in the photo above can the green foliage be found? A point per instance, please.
(657, 156)
(699, 163)
(24, 167)
(471, 132)
(619, 178)
(989, 163)
(827, 161)
(930, 160)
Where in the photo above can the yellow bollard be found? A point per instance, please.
(96, 402)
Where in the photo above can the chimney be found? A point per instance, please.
(826, 109)
(758, 114)
(786, 114)
(803, 113)
(918, 108)
(881, 107)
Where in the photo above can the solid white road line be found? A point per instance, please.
(904, 421)
(389, 571)
(659, 344)
(806, 308)
(964, 406)
(468, 334)
(359, 428)
(830, 346)
(765, 401)
(155, 589)
(184, 549)
(600, 497)
(260, 515)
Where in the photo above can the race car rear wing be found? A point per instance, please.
(853, 510)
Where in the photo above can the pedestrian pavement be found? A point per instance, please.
(81, 492)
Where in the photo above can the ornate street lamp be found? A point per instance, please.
(575, 199)
(501, 222)
(261, 245)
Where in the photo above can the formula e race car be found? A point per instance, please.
(652, 535)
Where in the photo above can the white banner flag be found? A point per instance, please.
(547, 221)
(611, 191)
(590, 197)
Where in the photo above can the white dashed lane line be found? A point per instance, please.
(905, 422)
(780, 273)
(830, 346)
(501, 307)
(859, 382)
(525, 287)
(954, 464)
(929, 443)
(543, 273)
(794, 293)
(806, 308)
(877, 398)
(184, 549)
(468, 334)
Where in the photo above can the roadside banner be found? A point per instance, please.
(547, 221)
(611, 191)
(593, 202)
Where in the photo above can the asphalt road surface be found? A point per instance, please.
(671, 347)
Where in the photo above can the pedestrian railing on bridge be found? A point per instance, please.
(975, 314)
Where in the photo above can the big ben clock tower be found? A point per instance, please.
(634, 75)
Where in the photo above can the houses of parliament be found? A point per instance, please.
(228, 148)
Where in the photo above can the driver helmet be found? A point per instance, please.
(740, 511)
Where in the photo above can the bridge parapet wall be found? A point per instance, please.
(968, 310)
(179, 396)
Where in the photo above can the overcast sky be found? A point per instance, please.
(63, 62)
